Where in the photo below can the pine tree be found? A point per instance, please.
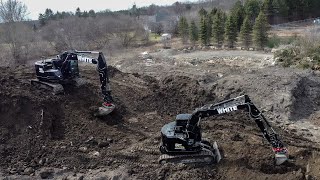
(48, 15)
(252, 8)
(213, 11)
(78, 12)
(194, 34)
(85, 14)
(42, 19)
(203, 31)
(239, 14)
(92, 13)
(209, 27)
(245, 33)
(260, 30)
(183, 29)
(268, 9)
(231, 31)
(218, 28)
(202, 12)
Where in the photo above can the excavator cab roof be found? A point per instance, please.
(183, 116)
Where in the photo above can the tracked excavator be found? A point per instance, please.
(53, 74)
(182, 141)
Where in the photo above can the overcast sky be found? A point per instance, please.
(38, 6)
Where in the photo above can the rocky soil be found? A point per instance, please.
(44, 136)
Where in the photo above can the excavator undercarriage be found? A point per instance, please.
(206, 155)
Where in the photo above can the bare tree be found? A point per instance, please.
(11, 12)
(156, 27)
(92, 33)
(127, 30)
(178, 8)
(18, 37)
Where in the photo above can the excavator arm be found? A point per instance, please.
(241, 103)
(102, 68)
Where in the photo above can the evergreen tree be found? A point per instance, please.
(183, 29)
(245, 33)
(42, 20)
(194, 34)
(58, 15)
(213, 11)
(209, 27)
(134, 11)
(203, 31)
(224, 17)
(202, 12)
(48, 14)
(218, 28)
(92, 13)
(238, 13)
(260, 30)
(231, 31)
(78, 12)
(85, 14)
(268, 9)
(280, 8)
(252, 9)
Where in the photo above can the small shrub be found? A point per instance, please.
(274, 41)
(288, 56)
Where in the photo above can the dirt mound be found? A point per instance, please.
(180, 94)
(306, 98)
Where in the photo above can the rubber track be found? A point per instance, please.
(132, 162)
(180, 158)
(132, 158)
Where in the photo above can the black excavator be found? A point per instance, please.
(53, 74)
(182, 141)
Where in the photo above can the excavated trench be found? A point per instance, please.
(40, 130)
(306, 98)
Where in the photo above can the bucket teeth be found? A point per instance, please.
(280, 158)
(217, 152)
(105, 110)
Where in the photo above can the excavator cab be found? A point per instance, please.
(46, 71)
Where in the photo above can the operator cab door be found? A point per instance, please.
(72, 68)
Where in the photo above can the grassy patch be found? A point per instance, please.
(154, 37)
(304, 53)
(275, 41)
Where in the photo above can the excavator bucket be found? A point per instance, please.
(280, 158)
(217, 152)
(105, 109)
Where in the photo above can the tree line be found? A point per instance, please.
(247, 22)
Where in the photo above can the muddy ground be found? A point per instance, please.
(57, 137)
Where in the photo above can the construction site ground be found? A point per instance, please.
(57, 137)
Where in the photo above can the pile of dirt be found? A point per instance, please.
(306, 98)
(39, 130)
(180, 94)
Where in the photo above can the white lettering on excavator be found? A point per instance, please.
(226, 110)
